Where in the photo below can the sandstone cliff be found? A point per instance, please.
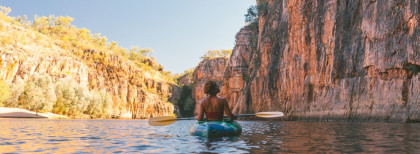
(136, 93)
(329, 59)
(236, 73)
(208, 69)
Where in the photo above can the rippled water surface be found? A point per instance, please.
(125, 136)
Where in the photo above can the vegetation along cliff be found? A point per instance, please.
(182, 94)
(49, 65)
(328, 59)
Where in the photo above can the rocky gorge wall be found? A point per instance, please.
(329, 59)
(136, 93)
(236, 73)
(208, 69)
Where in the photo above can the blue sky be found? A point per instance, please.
(179, 31)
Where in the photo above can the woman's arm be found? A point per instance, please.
(227, 110)
(200, 115)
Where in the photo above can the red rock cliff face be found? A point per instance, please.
(236, 73)
(136, 93)
(330, 59)
(208, 69)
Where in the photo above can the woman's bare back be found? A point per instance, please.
(214, 107)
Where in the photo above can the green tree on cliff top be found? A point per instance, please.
(251, 15)
(216, 54)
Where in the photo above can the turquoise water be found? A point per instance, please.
(127, 136)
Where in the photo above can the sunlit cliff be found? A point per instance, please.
(52, 47)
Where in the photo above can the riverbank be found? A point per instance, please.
(6, 112)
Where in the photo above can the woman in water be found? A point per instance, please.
(213, 106)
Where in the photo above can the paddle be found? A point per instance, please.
(167, 120)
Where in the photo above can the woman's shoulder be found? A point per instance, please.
(203, 100)
(221, 99)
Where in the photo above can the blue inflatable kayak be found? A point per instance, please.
(214, 129)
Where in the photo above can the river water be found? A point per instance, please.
(127, 136)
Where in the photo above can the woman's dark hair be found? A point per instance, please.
(211, 88)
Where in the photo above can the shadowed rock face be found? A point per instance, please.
(180, 92)
(329, 59)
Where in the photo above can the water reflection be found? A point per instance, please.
(321, 137)
(125, 136)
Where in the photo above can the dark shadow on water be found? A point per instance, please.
(142, 147)
(213, 143)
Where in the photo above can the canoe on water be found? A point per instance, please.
(214, 129)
